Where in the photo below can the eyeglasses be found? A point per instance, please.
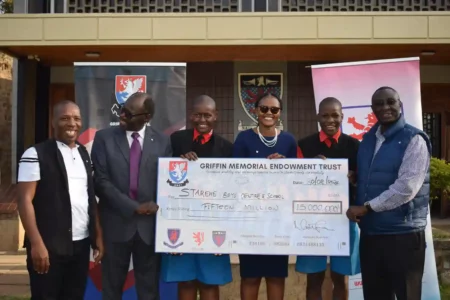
(265, 109)
(129, 115)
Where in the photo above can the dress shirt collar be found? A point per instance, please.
(379, 135)
(206, 136)
(141, 132)
(62, 145)
(325, 138)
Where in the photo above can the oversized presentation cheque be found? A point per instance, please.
(253, 206)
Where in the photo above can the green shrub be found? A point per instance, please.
(440, 178)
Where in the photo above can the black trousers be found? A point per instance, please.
(66, 278)
(392, 265)
(146, 266)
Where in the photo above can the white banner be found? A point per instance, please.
(253, 206)
(353, 84)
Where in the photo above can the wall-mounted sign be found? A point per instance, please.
(250, 87)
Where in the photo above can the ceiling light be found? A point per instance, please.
(92, 54)
(428, 53)
(34, 57)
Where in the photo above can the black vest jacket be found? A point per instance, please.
(52, 200)
(346, 147)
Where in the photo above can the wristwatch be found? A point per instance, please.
(367, 205)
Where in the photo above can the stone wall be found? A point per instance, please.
(10, 232)
(5, 118)
(442, 254)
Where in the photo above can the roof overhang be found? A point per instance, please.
(64, 38)
(66, 55)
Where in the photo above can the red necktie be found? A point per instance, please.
(199, 140)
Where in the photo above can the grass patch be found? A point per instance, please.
(440, 234)
(445, 292)
(14, 297)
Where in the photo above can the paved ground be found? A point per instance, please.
(14, 277)
(443, 224)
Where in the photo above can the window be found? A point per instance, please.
(432, 127)
(260, 5)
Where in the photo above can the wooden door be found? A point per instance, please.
(59, 92)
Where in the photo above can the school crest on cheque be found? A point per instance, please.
(219, 237)
(178, 173)
(124, 87)
(174, 235)
(253, 85)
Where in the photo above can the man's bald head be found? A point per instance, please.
(205, 100)
(386, 106)
(66, 122)
(385, 89)
(58, 107)
(137, 111)
(142, 99)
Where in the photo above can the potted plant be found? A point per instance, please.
(440, 178)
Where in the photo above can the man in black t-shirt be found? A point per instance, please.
(330, 142)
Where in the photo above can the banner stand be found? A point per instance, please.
(353, 84)
(100, 91)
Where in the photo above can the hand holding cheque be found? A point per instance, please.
(147, 208)
(253, 206)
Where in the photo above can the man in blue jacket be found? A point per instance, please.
(392, 202)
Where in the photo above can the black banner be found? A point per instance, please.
(100, 90)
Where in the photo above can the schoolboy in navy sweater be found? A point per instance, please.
(330, 142)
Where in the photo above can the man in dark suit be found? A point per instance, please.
(125, 162)
(58, 209)
(199, 272)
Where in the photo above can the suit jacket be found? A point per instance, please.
(111, 158)
(182, 142)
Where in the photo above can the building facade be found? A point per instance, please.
(220, 39)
